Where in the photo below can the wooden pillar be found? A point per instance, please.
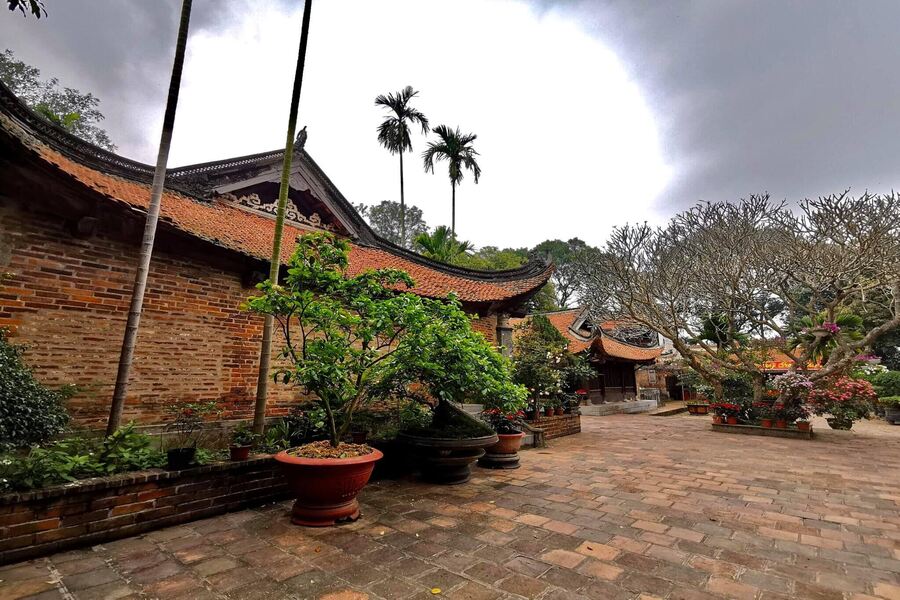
(504, 334)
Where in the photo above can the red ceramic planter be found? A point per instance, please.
(767, 423)
(780, 424)
(560, 411)
(549, 412)
(731, 420)
(239, 452)
(326, 488)
(803, 426)
(717, 419)
(509, 443)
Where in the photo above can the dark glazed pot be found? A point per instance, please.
(836, 423)
(447, 461)
(504, 454)
(326, 488)
(692, 409)
(239, 452)
(180, 458)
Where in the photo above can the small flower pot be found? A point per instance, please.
(359, 437)
(504, 454)
(549, 411)
(560, 411)
(767, 423)
(180, 458)
(731, 420)
(240, 452)
(780, 423)
(803, 426)
(717, 419)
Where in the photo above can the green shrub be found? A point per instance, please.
(887, 383)
(890, 401)
(29, 412)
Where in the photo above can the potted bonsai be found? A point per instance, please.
(242, 440)
(187, 431)
(506, 419)
(845, 400)
(455, 364)
(349, 341)
(891, 405)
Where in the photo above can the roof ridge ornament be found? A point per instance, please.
(300, 142)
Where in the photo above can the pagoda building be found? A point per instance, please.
(71, 221)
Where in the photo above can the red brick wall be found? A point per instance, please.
(67, 301)
(558, 426)
(46, 521)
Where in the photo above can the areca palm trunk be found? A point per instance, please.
(453, 208)
(265, 353)
(402, 206)
(159, 179)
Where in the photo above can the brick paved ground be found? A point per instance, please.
(634, 507)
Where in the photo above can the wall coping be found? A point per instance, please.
(125, 479)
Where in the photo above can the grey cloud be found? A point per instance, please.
(797, 98)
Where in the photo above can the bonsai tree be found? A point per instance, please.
(847, 400)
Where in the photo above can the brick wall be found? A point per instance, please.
(67, 302)
(53, 519)
(558, 425)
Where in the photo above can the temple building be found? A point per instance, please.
(614, 351)
(71, 222)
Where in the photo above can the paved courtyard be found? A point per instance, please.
(634, 507)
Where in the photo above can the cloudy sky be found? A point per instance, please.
(588, 114)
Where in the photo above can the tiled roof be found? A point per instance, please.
(249, 233)
(600, 342)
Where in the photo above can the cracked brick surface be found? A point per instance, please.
(633, 507)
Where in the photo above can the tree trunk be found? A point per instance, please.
(453, 209)
(265, 352)
(402, 206)
(759, 387)
(143, 270)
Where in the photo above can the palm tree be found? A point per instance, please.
(441, 245)
(265, 352)
(393, 133)
(159, 180)
(456, 148)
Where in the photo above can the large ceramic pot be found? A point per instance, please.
(836, 423)
(504, 454)
(326, 488)
(702, 409)
(892, 414)
(447, 461)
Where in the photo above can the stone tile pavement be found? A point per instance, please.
(634, 507)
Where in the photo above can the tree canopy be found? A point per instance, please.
(385, 218)
(67, 107)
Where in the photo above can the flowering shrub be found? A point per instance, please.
(504, 422)
(727, 409)
(845, 399)
(187, 422)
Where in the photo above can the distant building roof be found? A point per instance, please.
(199, 200)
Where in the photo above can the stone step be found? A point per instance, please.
(614, 408)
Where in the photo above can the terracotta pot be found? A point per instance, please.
(780, 423)
(717, 419)
(767, 423)
(560, 411)
(240, 452)
(803, 426)
(702, 409)
(504, 454)
(180, 458)
(731, 420)
(326, 488)
(692, 409)
(549, 411)
(447, 461)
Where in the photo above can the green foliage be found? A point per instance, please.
(352, 340)
(820, 336)
(70, 109)
(393, 133)
(889, 401)
(887, 383)
(441, 245)
(544, 365)
(456, 148)
(567, 256)
(385, 220)
(187, 422)
(35, 7)
(29, 412)
(243, 435)
(78, 458)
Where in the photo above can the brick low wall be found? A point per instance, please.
(43, 521)
(558, 426)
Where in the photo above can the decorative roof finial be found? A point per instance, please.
(300, 142)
